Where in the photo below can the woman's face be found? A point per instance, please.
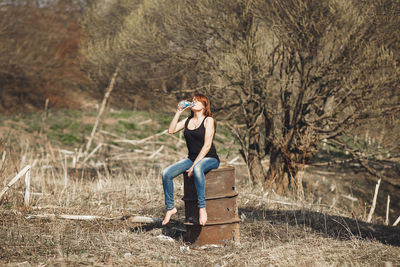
(198, 105)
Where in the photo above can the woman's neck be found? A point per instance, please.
(198, 114)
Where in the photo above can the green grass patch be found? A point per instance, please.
(65, 124)
(121, 114)
(163, 119)
(141, 114)
(66, 127)
(123, 128)
(128, 125)
(69, 128)
(69, 113)
(67, 139)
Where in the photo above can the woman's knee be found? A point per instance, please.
(197, 171)
(164, 174)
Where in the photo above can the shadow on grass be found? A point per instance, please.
(173, 229)
(338, 227)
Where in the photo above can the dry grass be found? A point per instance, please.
(274, 231)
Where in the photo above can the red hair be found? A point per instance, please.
(206, 103)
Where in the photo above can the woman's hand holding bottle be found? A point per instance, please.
(183, 105)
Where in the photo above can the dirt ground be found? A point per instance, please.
(273, 230)
(349, 187)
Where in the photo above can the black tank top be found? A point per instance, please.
(195, 141)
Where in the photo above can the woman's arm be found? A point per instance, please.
(208, 139)
(176, 126)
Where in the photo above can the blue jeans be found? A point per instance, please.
(172, 171)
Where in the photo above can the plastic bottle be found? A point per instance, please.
(184, 104)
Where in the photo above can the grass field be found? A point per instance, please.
(123, 178)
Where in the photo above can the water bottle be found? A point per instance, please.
(184, 104)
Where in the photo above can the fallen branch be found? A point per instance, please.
(103, 105)
(27, 187)
(66, 152)
(14, 180)
(132, 219)
(65, 173)
(142, 219)
(233, 160)
(387, 210)
(397, 221)
(350, 197)
(283, 203)
(135, 142)
(177, 138)
(156, 152)
(3, 159)
(108, 133)
(271, 201)
(130, 155)
(92, 153)
(44, 207)
(68, 217)
(33, 193)
(145, 122)
(371, 212)
(114, 147)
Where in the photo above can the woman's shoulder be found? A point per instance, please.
(209, 118)
(186, 120)
(209, 121)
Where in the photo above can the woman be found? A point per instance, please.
(199, 129)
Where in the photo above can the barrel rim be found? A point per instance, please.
(219, 169)
(230, 195)
(223, 168)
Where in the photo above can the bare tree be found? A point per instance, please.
(284, 75)
(38, 54)
(129, 34)
(333, 73)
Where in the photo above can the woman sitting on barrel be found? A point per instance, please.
(199, 130)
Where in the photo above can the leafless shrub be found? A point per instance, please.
(284, 75)
(38, 54)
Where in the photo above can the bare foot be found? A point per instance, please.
(168, 215)
(202, 216)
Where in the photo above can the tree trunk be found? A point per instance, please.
(254, 165)
(278, 177)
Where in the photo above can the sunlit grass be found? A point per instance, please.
(124, 179)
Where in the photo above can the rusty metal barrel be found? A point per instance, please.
(222, 225)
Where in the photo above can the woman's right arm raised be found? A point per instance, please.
(176, 126)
